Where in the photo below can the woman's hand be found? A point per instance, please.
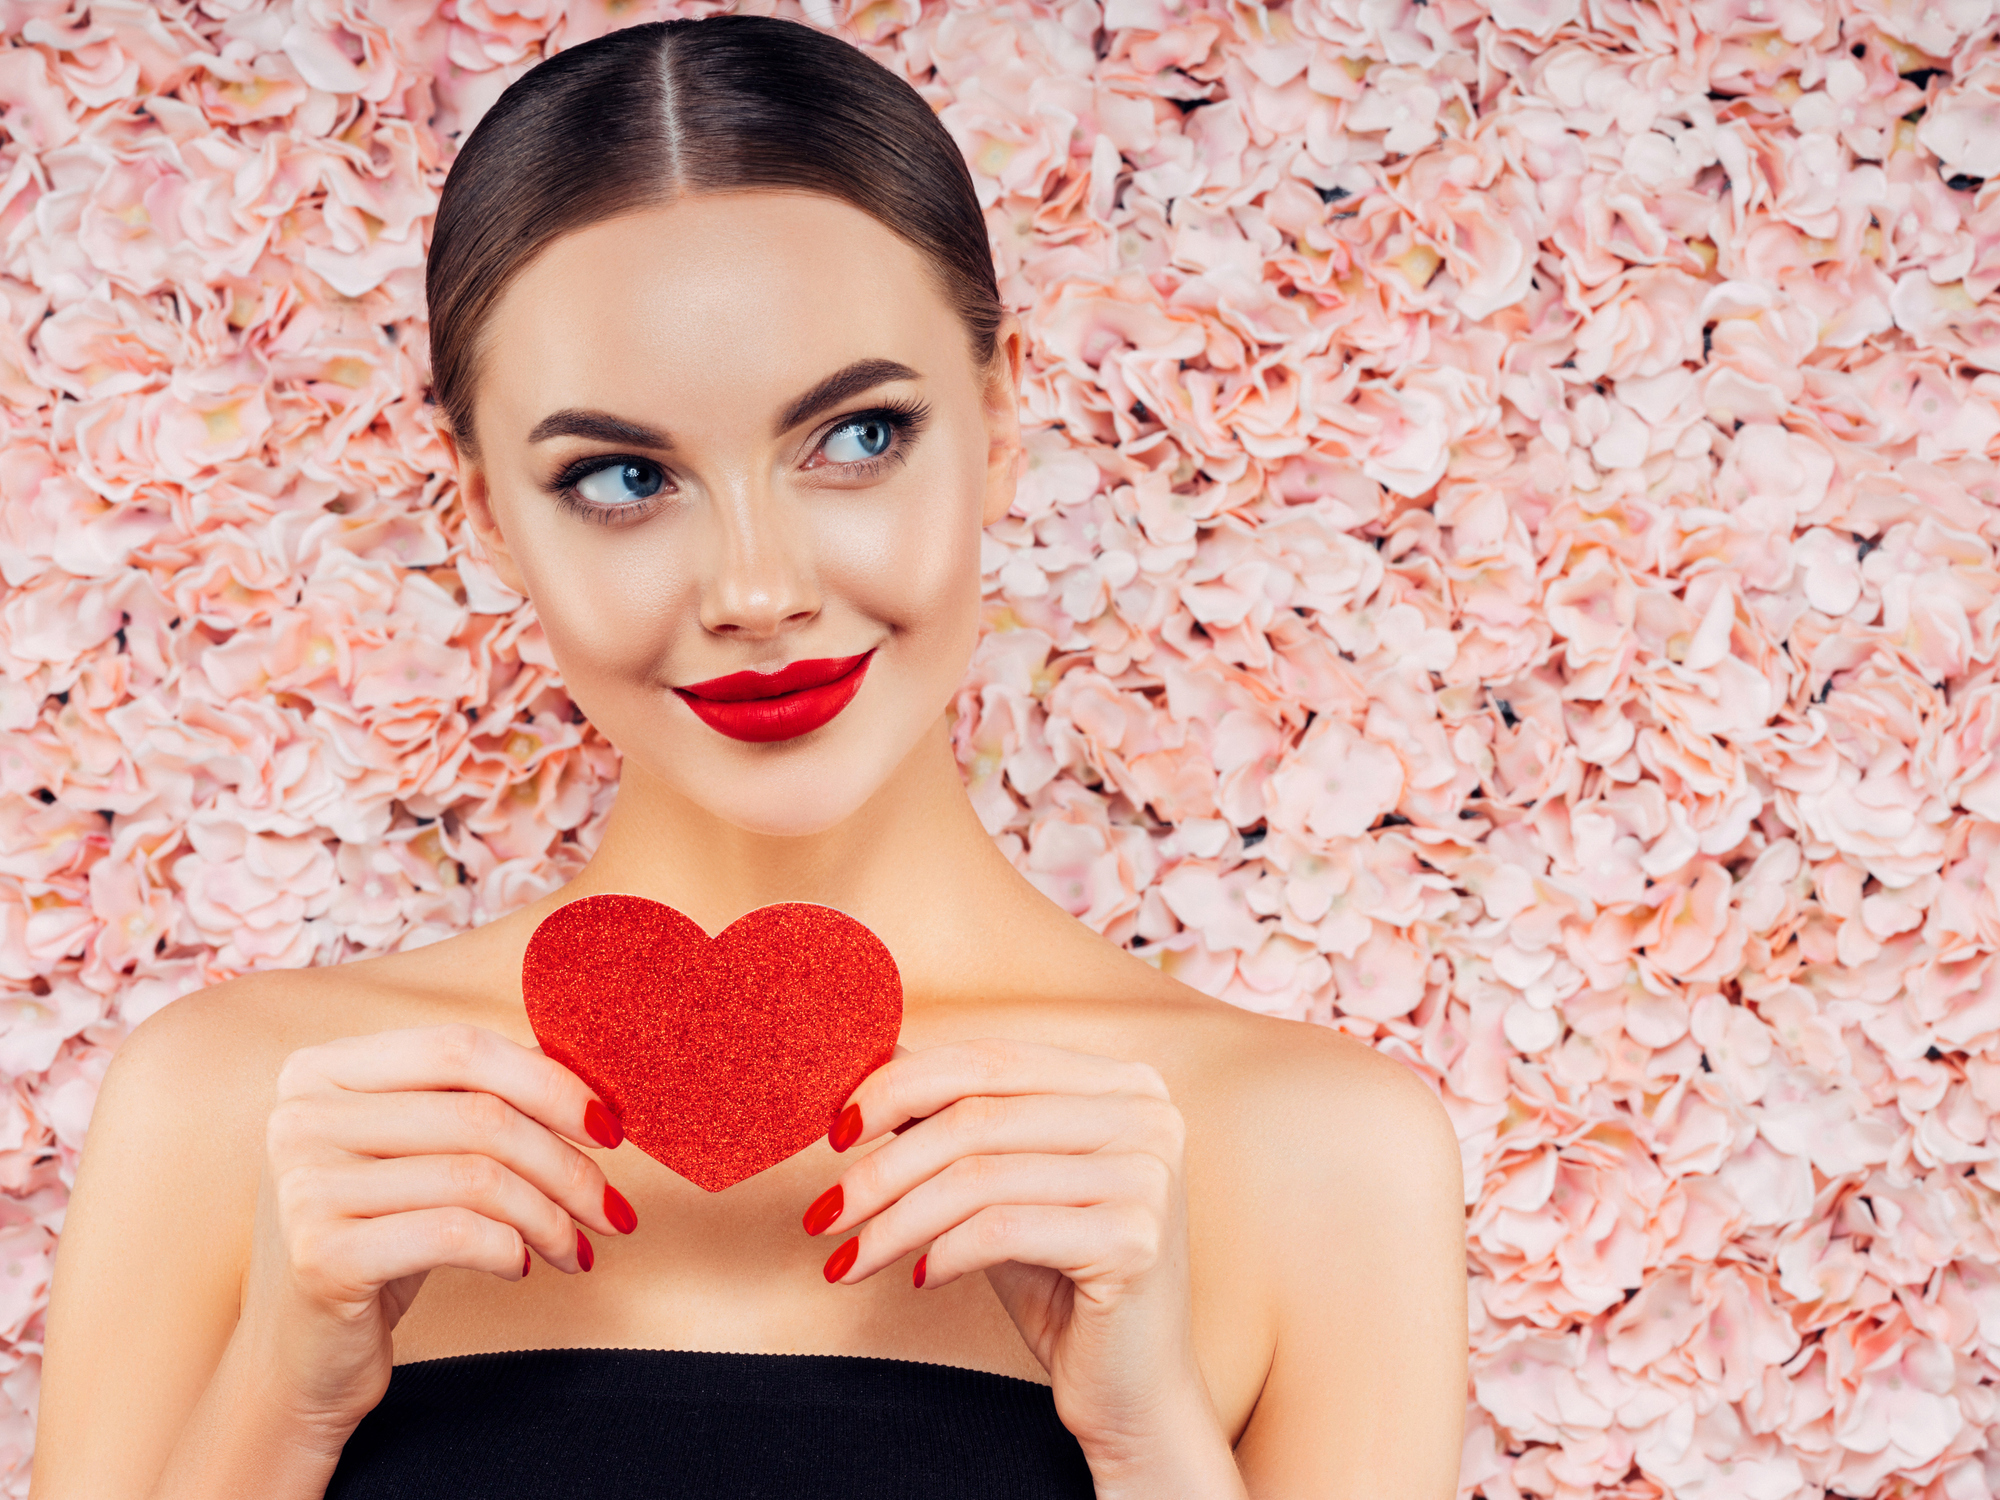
(389, 1155)
(1059, 1175)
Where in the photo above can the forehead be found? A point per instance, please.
(721, 291)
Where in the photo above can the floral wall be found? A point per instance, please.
(1507, 570)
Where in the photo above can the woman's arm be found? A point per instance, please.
(1366, 1394)
(149, 1273)
(1059, 1175)
(250, 1223)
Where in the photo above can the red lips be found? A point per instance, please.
(765, 706)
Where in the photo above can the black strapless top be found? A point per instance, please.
(663, 1424)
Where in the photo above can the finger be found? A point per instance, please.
(363, 1189)
(973, 1184)
(353, 1259)
(901, 1051)
(456, 1057)
(989, 1125)
(923, 1082)
(1108, 1244)
(439, 1123)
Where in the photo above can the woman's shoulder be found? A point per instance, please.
(1290, 1105)
(1336, 1163)
(229, 1041)
(1270, 1068)
(1317, 1101)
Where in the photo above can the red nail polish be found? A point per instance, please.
(846, 1130)
(842, 1260)
(917, 1275)
(585, 1256)
(825, 1209)
(527, 1260)
(601, 1125)
(618, 1211)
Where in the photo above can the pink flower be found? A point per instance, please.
(27, 1252)
(1895, 1408)
(501, 31)
(250, 895)
(1079, 861)
(1648, 329)
(1936, 29)
(1418, 422)
(1335, 784)
(38, 106)
(1758, 344)
(1383, 980)
(1593, 607)
(125, 442)
(1963, 126)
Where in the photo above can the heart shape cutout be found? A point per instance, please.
(720, 1056)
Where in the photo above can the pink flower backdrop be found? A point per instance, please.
(1507, 569)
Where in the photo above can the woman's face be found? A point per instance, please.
(732, 436)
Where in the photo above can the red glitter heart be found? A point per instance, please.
(721, 1056)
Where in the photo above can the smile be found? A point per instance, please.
(762, 707)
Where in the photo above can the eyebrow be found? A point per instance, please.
(602, 426)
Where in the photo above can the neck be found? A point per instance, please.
(913, 863)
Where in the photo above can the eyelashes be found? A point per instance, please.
(904, 419)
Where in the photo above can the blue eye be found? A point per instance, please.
(873, 435)
(623, 483)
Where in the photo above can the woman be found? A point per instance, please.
(723, 368)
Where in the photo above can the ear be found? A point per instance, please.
(1005, 457)
(477, 498)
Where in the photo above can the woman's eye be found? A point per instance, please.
(860, 440)
(621, 483)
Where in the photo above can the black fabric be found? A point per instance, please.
(662, 1424)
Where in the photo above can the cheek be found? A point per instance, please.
(913, 566)
(609, 605)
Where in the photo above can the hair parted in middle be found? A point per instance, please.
(636, 118)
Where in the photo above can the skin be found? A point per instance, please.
(1232, 1245)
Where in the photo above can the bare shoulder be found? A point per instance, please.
(157, 1236)
(1302, 1102)
(246, 1026)
(1283, 1109)
(178, 1130)
(1325, 1176)
(231, 1030)
(193, 1066)
(204, 1067)
(1339, 1103)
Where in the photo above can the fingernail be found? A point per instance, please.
(618, 1211)
(846, 1130)
(527, 1260)
(585, 1256)
(825, 1209)
(601, 1125)
(917, 1275)
(842, 1260)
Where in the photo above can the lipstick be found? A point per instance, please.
(762, 707)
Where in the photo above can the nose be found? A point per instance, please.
(761, 582)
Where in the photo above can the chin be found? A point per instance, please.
(784, 814)
(792, 789)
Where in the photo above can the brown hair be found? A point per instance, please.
(635, 118)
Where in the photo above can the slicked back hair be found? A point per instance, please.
(636, 118)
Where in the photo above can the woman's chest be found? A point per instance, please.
(735, 1271)
(730, 1271)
